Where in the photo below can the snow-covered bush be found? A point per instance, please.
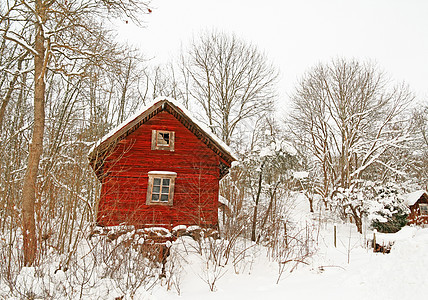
(388, 213)
(353, 202)
(381, 203)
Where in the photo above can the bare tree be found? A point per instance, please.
(11, 62)
(130, 76)
(230, 79)
(163, 80)
(347, 116)
(266, 170)
(57, 29)
(421, 116)
(417, 159)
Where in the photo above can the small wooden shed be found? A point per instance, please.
(160, 168)
(418, 205)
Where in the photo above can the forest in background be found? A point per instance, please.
(359, 138)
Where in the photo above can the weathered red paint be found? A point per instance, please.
(124, 176)
(415, 217)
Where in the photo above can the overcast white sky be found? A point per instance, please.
(297, 34)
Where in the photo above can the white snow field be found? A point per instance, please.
(348, 271)
(401, 274)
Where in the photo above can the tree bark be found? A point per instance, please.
(256, 205)
(265, 218)
(36, 146)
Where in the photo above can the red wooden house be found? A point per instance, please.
(160, 168)
(418, 205)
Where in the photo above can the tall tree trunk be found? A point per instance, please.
(256, 205)
(124, 91)
(265, 218)
(36, 146)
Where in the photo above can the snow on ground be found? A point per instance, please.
(401, 274)
(348, 271)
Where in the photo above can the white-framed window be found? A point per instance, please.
(163, 140)
(423, 208)
(160, 189)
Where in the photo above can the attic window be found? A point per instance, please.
(423, 208)
(163, 140)
(160, 188)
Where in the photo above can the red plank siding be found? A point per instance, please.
(415, 217)
(124, 186)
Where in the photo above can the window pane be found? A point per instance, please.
(160, 189)
(163, 138)
(423, 208)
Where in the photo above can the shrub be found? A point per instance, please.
(389, 213)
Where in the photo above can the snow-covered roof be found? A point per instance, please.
(144, 113)
(162, 173)
(412, 198)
